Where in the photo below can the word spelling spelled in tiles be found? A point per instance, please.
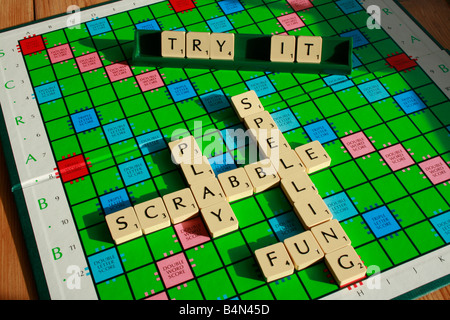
(323, 238)
(197, 45)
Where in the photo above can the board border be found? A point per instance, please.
(24, 218)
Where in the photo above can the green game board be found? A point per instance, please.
(78, 117)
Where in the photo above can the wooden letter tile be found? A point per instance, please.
(222, 46)
(236, 184)
(262, 175)
(220, 219)
(345, 266)
(152, 215)
(260, 120)
(312, 211)
(123, 225)
(282, 48)
(185, 150)
(272, 143)
(207, 192)
(246, 103)
(197, 171)
(298, 186)
(330, 236)
(198, 45)
(309, 49)
(181, 205)
(173, 44)
(274, 261)
(313, 156)
(288, 164)
(303, 250)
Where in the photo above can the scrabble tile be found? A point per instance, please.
(309, 49)
(330, 236)
(274, 261)
(303, 249)
(235, 184)
(152, 215)
(282, 48)
(198, 45)
(345, 265)
(173, 44)
(288, 164)
(298, 186)
(260, 120)
(123, 225)
(312, 211)
(222, 46)
(272, 143)
(185, 150)
(220, 219)
(207, 192)
(246, 103)
(197, 171)
(313, 156)
(262, 175)
(181, 205)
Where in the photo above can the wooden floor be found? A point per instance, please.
(16, 281)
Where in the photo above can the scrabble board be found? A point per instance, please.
(86, 134)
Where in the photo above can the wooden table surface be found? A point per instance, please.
(16, 279)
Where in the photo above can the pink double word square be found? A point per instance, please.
(397, 157)
(89, 62)
(291, 21)
(436, 170)
(174, 270)
(357, 144)
(149, 81)
(60, 53)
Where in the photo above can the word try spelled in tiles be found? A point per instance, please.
(152, 215)
(313, 156)
(236, 184)
(123, 225)
(220, 218)
(197, 45)
(274, 261)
